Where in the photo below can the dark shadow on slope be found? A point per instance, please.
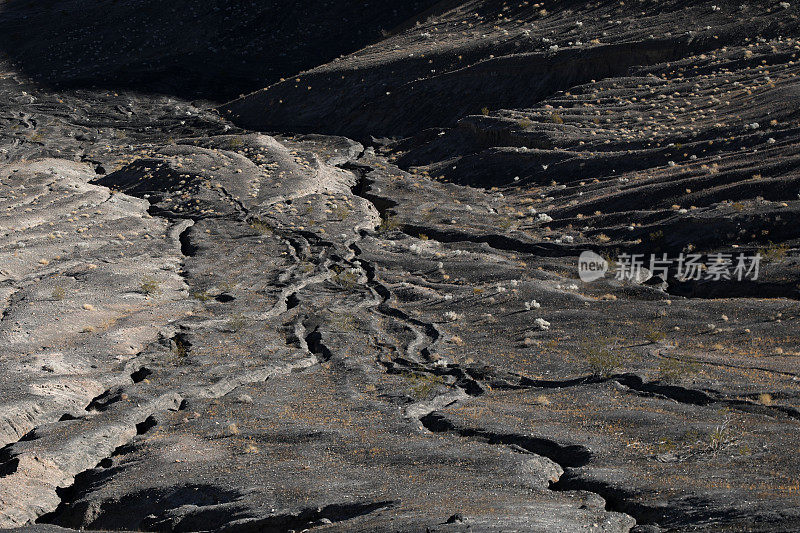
(216, 49)
(143, 509)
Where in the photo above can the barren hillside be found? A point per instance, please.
(360, 297)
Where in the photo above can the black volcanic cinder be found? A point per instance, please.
(503, 266)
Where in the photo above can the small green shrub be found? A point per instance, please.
(341, 212)
(344, 322)
(774, 253)
(236, 323)
(676, 369)
(346, 278)
(505, 223)
(306, 267)
(202, 296)
(667, 445)
(388, 224)
(603, 360)
(179, 349)
(654, 334)
(262, 227)
(421, 385)
(150, 286)
(720, 436)
(227, 286)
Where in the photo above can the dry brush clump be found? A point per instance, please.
(59, 293)
(603, 356)
(346, 278)
(150, 286)
(774, 253)
(236, 323)
(422, 385)
(676, 369)
(389, 224)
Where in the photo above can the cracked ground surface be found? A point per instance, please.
(334, 304)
